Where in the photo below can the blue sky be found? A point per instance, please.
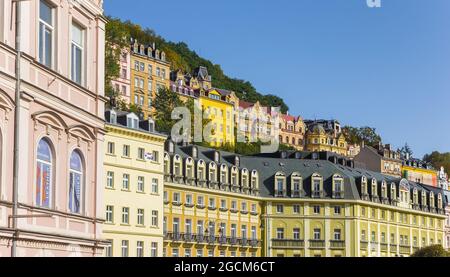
(386, 67)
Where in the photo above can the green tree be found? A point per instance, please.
(165, 102)
(358, 135)
(439, 160)
(434, 251)
(406, 151)
(116, 38)
(181, 57)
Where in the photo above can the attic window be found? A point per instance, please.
(113, 118)
(194, 152)
(236, 161)
(216, 157)
(132, 122)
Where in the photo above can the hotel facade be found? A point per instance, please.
(295, 204)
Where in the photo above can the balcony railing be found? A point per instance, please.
(173, 236)
(393, 248)
(243, 242)
(337, 244)
(338, 194)
(405, 249)
(298, 194)
(317, 194)
(200, 238)
(189, 237)
(279, 193)
(384, 247)
(288, 243)
(364, 245)
(254, 243)
(233, 240)
(223, 240)
(317, 244)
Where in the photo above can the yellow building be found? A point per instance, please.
(318, 139)
(219, 107)
(296, 204)
(212, 205)
(316, 206)
(420, 172)
(150, 71)
(133, 193)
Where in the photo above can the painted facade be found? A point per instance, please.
(380, 159)
(320, 138)
(212, 205)
(150, 72)
(292, 131)
(419, 171)
(61, 128)
(133, 190)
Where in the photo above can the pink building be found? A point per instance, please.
(61, 128)
(123, 84)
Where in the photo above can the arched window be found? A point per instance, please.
(338, 187)
(75, 182)
(364, 191)
(44, 171)
(254, 183)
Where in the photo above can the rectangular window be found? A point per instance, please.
(142, 66)
(77, 54)
(140, 249)
(176, 198)
(280, 233)
(126, 182)
(280, 209)
(140, 216)
(337, 210)
(154, 249)
(175, 253)
(254, 209)
(296, 209)
(126, 151)
(109, 214)
(46, 29)
(316, 209)
(337, 234)
(199, 253)
(200, 201)
(124, 248)
(141, 184)
(109, 249)
(110, 179)
(317, 235)
(125, 215)
(244, 207)
(141, 153)
(155, 189)
(296, 234)
(111, 148)
(154, 218)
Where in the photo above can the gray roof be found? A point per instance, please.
(268, 165)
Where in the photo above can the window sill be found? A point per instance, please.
(154, 194)
(126, 158)
(111, 155)
(110, 188)
(140, 160)
(125, 225)
(125, 190)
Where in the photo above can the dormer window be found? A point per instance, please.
(244, 178)
(177, 166)
(364, 190)
(393, 193)
(189, 167)
(296, 185)
(432, 204)
(212, 172)
(216, 157)
(150, 52)
(280, 184)
(194, 152)
(424, 199)
(201, 171)
(142, 50)
(223, 174)
(171, 146)
(440, 204)
(234, 174)
(166, 164)
(384, 190)
(255, 184)
(338, 187)
(317, 186)
(112, 117)
(163, 56)
(415, 197)
(132, 121)
(236, 161)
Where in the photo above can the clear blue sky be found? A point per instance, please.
(385, 67)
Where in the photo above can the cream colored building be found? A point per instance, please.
(133, 193)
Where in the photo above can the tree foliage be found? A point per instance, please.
(406, 151)
(181, 57)
(438, 160)
(434, 251)
(165, 102)
(358, 135)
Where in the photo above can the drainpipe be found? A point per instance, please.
(16, 131)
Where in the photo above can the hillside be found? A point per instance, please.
(182, 57)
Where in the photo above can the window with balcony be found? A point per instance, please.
(280, 233)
